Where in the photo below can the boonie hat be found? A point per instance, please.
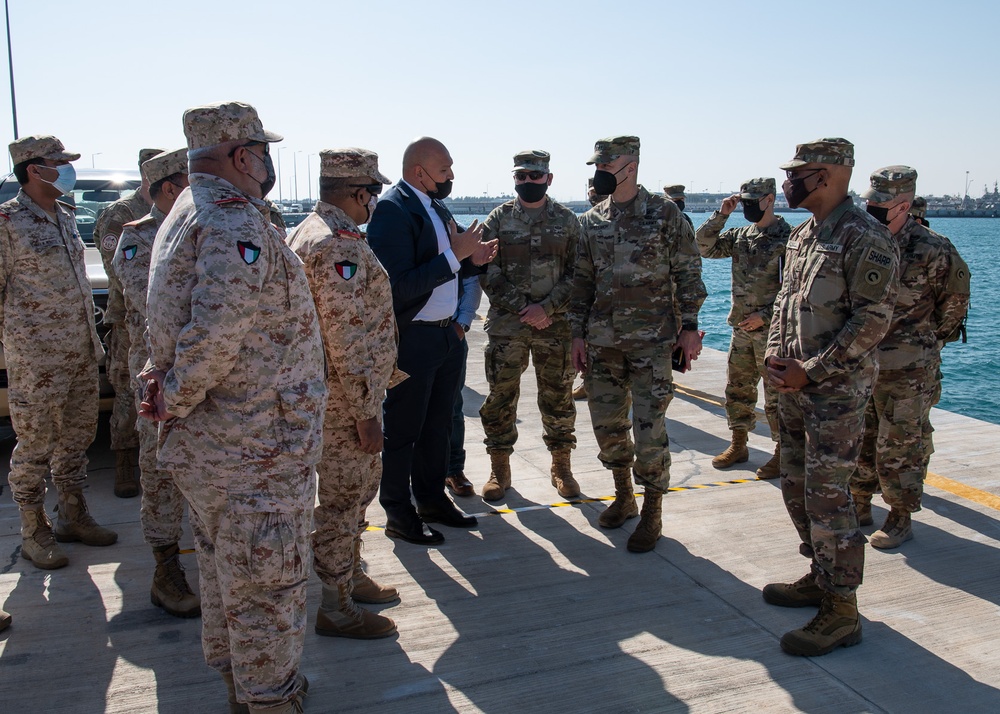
(890, 181)
(39, 146)
(607, 150)
(214, 124)
(822, 151)
(674, 192)
(757, 188)
(534, 160)
(164, 164)
(350, 163)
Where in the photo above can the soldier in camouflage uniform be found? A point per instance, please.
(52, 350)
(676, 194)
(580, 391)
(237, 380)
(834, 306)
(162, 508)
(107, 229)
(932, 302)
(758, 253)
(354, 301)
(637, 266)
(529, 285)
(918, 209)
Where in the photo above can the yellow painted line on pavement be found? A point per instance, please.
(984, 498)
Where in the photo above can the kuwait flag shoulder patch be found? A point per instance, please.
(248, 251)
(346, 269)
(129, 251)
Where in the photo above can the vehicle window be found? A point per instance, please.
(90, 201)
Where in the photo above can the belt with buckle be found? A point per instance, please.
(434, 323)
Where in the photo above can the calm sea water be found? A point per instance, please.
(971, 370)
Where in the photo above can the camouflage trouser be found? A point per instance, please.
(53, 409)
(253, 560)
(934, 389)
(642, 382)
(348, 483)
(162, 508)
(820, 440)
(123, 416)
(506, 360)
(893, 453)
(745, 367)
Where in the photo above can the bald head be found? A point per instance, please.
(426, 162)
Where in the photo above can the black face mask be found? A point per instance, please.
(752, 210)
(795, 190)
(680, 205)
(606, 182)
(442, 189)
(531, 192)
(879, 213)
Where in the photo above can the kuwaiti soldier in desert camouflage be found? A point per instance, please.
(758, 253)
(676, 194)
(834, 306)
(932, 302)
(162, 508)
(237, 379)
(637, 266)
(52, 350)
(529, 285)
(107, 229)
(354, 302)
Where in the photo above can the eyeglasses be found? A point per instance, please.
(373, 188)
(794, 173)
(267, 147)
(525, 175)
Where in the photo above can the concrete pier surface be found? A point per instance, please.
(540, 610)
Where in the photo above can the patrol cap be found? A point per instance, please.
(918, 209)
(757, 188)
(214, 124)
(675, 191)
(822, 151)
(607, 150)
(164, 164)
(890, 181)
(39, 146)
(533, 160)
(350, 163)
(146, 154)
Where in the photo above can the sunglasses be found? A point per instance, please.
(267, 147)
(525, 175)
(373, 188)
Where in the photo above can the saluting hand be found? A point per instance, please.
(729, 204)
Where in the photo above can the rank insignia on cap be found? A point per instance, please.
(129, 251)
(346, 269)
(248, 251)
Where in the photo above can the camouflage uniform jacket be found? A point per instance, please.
(757, 256)
(107, 230)
(534, 264)
(354, 301)
(231, 320)
(632, 266)
(131, 264)
(46, 303)
(930, 305)
(835, 304)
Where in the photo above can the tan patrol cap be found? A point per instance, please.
(39, 146)
(675, 191)
(890, 181)
(757, 188)
(607, 150)
(146, 154)
(350, 163)
(214, 124)
(164, 164)
(822, 151)
(533, 160)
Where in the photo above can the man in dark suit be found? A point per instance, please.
(425, 254)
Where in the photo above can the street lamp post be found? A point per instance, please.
(295, 159)
(93, 165)
(309, 170)
(280, 149)
(10, 64)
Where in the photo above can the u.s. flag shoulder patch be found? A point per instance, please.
(248, 251)
(346, 269)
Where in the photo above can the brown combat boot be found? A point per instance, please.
(74, 522)
(896, 530)
(650, 526)
(562, 475)
(126, 483)
(37, 541)
(735, 453)
(363, 588)
(170, 589)
(623, 507)
(235, 707)
(499, 482)
(5, 620)
(837, 624)
(338, 616)
(863, 508)
(802, 593)
(295, 705)
(580, 392)
(772, 469)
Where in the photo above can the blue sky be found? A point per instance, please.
(717, 91)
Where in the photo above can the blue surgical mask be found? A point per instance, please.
(66, 179)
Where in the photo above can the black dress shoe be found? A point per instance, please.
(446, 513)
(459, 485)
(413, 530)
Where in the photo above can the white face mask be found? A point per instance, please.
(66, 179)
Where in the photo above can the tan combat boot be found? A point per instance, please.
(37, 542)
(896, 530)
(580, 392)
(562, 475)
(863, 508)
(170, 588)
(494, 489)
(295, 705)
(235, 707)
(338, 616)
(735, 453)
(837, 624)
(650, 526)
(5, 620)
(74, 522)
(772, 469)
(802, 593)
(126, 483)
(363, 588)
(623, 507)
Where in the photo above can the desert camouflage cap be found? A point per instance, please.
(164, 164)
(757, 188)
(890, 181)
(39, 146)
(226, 121)
(918, 209)
(822, 151)
(675, 191)
(146, 154)
(607, 150)
(350, 163)
(533, 160)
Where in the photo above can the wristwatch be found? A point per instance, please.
(465, 328)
